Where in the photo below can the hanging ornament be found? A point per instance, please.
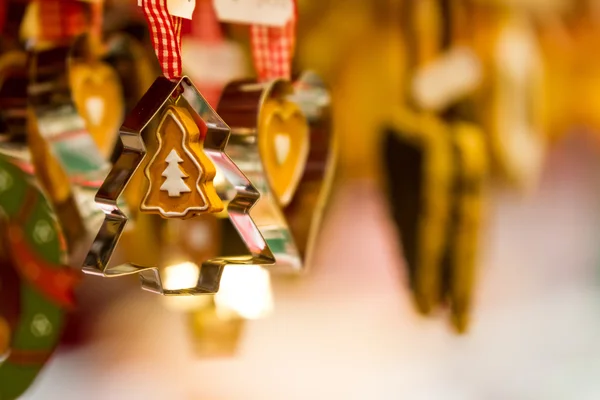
(97, 91)
(36, 288)
(178, 141)
(243, 107)
(417, 155)
(272, 141)
(437, 170)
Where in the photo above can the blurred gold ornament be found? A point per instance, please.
(468, 206)
(436, 180)
(98, 97)
(437, 161)
(420, 166)
(212, 334)
(283, 145)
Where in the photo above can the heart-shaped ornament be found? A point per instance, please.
(284, 145)
(283, 140)
(98, 96)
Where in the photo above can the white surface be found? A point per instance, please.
(174, 183)
(95, 109)
(273, 12)
(348, 330)
(282, 147)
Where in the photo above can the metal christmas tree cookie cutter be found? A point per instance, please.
(135, 133)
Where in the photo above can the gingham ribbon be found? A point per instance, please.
(165, 31)
(273, 49)
(61, 19)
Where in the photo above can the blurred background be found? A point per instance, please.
(457, 256)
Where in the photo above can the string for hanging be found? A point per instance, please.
(273, 48)
(61, 20)
(165, 32)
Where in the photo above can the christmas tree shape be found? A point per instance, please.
(174, 183)
(188, 188)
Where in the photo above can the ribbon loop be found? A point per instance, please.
(61, 19)
(165, 31)
(273, 49)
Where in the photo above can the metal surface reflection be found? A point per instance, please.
(290, 223)
(137, 138)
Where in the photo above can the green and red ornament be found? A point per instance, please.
(36, 286)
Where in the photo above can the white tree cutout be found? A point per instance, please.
(174, 183)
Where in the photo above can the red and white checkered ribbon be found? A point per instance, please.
(61, 19)
(273, 49)
(165, 31)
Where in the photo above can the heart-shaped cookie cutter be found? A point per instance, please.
(288, 228)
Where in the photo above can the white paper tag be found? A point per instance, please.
(447, 79)
(213, 63)
(181, 8)
(255, 12)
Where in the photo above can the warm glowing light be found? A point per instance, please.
(182, 276)
(245, 291)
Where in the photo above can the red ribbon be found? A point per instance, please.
(61, 19)
(165, 31)
(56, 282)
(273, 49)
(29, 358)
